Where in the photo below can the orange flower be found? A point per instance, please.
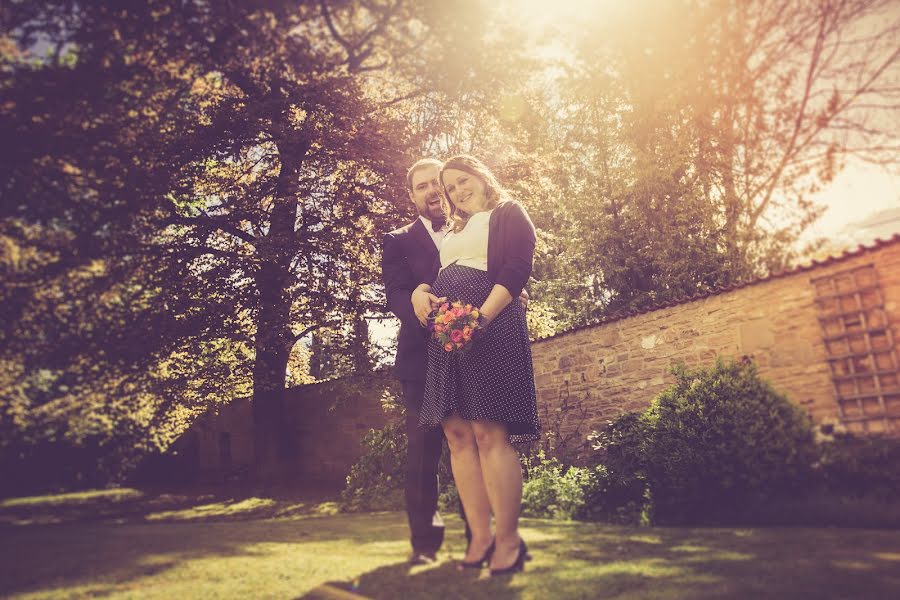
(448, 347)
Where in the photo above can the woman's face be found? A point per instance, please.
(467, 192)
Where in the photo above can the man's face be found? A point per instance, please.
(426, 192)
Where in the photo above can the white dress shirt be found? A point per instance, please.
(436, 236)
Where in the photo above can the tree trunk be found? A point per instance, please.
(274, 338)
(271, 439)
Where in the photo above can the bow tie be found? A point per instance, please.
(437, 225)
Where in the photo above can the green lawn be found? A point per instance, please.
(127, 544)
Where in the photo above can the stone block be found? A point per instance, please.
(607, 338)
(755, 335)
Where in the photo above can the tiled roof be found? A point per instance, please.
(815, 264)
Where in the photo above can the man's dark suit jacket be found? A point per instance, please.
(408, 257)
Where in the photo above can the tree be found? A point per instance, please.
(695, 132)
(241, 154)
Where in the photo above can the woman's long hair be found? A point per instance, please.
(493, 191)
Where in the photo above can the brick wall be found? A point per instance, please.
(619, 366)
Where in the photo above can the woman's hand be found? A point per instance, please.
(424, 302)
(484, 320)
(497, 300)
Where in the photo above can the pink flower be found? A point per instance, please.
(448, 347)
(439, 328)
(456, 335)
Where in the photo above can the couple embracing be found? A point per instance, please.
(471, 243)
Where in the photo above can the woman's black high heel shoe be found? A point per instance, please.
(477, 564)
(517, 566)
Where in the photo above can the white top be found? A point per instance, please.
(469, 247)
(436, 236)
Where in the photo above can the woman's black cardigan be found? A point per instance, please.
(511, 239)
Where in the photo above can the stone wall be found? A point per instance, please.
(614, 367)
(619, 366)
(327, 422)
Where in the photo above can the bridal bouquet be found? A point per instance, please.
(455, 325)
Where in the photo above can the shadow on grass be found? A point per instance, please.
(401, 581)
(310, 555)
(134, 505)
(574, 560)
(101, 558)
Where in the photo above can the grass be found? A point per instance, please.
(133, 544)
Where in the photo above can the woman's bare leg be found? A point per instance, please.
(466, 465)
(502, 473)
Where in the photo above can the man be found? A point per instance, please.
(408, 258)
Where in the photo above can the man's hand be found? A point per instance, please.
(424, 302)
(523, 299)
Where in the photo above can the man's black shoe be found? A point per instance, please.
(422, 558)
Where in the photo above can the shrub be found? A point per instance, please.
(614, 499)
(448, 499)
(856, 467)
(620, 492)
(376, 481)
(553, 491)
(720, 435)
(716, 438)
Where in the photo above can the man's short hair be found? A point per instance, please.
(421, 164)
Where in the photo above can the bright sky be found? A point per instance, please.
(858, 192)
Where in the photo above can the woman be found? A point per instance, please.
(484, 398)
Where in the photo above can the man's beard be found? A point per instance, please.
(433, 213)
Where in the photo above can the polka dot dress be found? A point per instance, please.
(494, 379)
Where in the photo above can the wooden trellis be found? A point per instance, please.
(865, 372)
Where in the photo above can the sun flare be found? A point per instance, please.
(538, 15)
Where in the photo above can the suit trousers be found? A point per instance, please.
(422, 459)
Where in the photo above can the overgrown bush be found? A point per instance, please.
(718, 437)
(620, 493)
(554, 491)
(856, 467)
(376, 481)
(448, 497)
